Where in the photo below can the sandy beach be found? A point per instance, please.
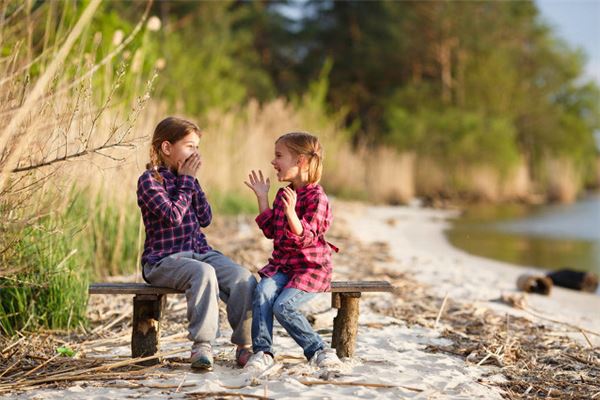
(398, 348)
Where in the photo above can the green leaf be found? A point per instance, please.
(65, 351)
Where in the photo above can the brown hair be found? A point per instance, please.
(170, 129)
(308, 145)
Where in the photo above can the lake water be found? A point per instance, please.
(549, 237)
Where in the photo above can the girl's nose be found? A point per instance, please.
(273, 162)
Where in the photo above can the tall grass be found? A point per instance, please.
(50, 286)
(55, 124)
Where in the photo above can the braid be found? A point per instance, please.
(155, 161)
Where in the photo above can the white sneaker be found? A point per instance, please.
(259, 362)
(202, 356)
(325, 358)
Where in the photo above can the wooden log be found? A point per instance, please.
(145, 337)
(345, 324)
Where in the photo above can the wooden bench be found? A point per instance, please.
(149, 301)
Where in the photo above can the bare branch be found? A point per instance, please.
(74, 155)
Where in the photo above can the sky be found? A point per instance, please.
(578, 23)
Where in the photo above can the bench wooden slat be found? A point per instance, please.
(361, 286)
(143, 288)
(128, 288)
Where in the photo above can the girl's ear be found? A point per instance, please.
(301, 160)
(165, 147)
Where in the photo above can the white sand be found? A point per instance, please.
(391, 355)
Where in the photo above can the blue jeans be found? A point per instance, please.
(270, 298)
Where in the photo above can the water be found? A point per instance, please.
(549, 237)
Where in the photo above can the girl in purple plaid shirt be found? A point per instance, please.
(176, 254)
(300, 265)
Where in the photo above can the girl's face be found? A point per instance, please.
(173, 153)
(286, 163)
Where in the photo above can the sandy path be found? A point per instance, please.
(392, 354)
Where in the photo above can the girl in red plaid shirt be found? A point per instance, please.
(300, 265)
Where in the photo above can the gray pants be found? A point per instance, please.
(205, 278)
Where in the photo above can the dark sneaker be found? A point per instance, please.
(242, 355)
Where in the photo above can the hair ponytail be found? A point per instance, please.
(315, 166)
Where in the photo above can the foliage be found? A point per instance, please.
(50, 287)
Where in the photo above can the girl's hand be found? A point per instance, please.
(258, 184)
(289, 201)
(289, 204)
(190, 166)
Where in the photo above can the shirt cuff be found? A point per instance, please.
(297, 239)
(199, 190)
(264, 217)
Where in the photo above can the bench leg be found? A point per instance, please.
(145, 338)
(345, 324)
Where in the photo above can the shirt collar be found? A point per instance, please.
(305, 188)
(167, 173)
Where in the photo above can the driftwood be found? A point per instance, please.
(577, 280)
(534, 284)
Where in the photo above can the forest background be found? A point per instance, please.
(441, 101)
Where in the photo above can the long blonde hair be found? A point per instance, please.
(308, 145)
(170, 129)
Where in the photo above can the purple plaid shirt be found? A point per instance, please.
(173, 212)
(305, 259)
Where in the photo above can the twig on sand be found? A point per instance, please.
(364, 384)
(13, 345)
(587, 339)
(540, 315)
(437, 319)
(181, 384)
(135, 385)
(41, 365)
(202, 395)
(9, 368)
(94, 373)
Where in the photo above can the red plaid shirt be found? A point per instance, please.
(305, 259)
(173, 212)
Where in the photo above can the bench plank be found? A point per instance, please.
(143, 288)
(129, 288)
